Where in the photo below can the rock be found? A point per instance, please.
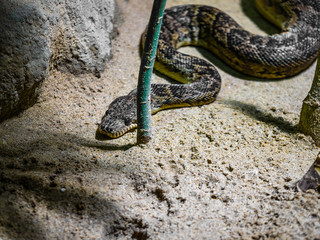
(37, 36)
(24, 55)
(82, 41)
(310, 113)
(311, 180)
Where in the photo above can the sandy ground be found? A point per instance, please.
(221, 171)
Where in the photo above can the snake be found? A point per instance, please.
(274, 56)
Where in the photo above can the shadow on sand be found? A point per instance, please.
(32, 174)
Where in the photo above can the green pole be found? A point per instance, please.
(145, 73)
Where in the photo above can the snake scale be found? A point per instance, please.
(273, 56)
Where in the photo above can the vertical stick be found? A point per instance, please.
(145, 73)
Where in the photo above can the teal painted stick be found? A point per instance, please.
(145, 73)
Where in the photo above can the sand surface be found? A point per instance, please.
(220, 171)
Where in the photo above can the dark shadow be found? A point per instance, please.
(47, 140)
(30, 169)
(12, 215)
(258, 114)
(252, 13)
(73, 201)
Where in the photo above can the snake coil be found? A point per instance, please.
(275, 56)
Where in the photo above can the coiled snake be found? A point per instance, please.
(275, 56)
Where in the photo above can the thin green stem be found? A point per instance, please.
(145, 73)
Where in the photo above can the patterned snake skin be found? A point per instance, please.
(275, 56)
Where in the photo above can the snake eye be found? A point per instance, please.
(127, 121)
(107, 112)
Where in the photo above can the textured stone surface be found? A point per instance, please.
(82, 39)
(310, 112)
(24, 55)
(36, 36)
(311, 180)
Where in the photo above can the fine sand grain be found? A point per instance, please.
(220, 171)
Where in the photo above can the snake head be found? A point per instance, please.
(120, 117)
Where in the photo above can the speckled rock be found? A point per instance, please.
(310, 113)
(24, 55)
(311, 180)
(37, 36)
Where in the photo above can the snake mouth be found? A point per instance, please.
(118, 133)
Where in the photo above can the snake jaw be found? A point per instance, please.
(119, 133)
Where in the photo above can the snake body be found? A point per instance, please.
(274, 56)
